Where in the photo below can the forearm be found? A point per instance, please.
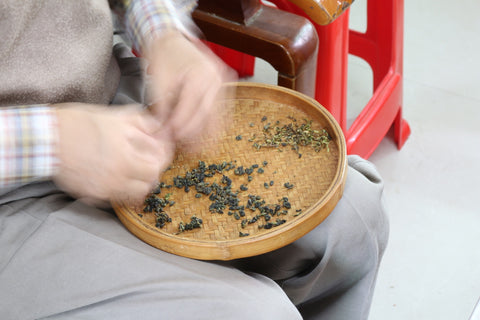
(28, 138)
(185, 77)
(146, 20)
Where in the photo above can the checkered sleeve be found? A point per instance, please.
(147, 19)
(28, 138)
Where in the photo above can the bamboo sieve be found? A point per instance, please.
(318, 179)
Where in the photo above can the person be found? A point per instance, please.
(65, 153)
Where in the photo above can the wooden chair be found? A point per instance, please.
(381, 46)
(287, 41)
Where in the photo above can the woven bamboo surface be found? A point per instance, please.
(318, 179)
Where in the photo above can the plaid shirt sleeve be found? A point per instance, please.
(146, 19)
(28, 134)
(27, 144)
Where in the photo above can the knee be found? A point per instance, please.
(365, 198)
(361, 221)
(254, 298)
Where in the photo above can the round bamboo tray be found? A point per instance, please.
(318, 179)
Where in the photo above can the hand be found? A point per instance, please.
(186, 81)
(110, 153)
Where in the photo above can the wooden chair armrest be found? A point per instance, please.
(322, 11)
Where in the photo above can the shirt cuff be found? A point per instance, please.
(148, 19)
(28, 142)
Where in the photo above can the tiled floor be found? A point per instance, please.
(431, 269)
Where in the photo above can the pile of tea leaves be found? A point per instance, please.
(215, 181)
(223, 195)
(293, 135)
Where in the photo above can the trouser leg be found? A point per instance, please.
(78, 261)
(330, 272)
(81, 263)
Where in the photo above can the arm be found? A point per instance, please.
(100, 153)
(28, 142)
(92, 152)
(186, 77)
(147, 19)
(56, 142)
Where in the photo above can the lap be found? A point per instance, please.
(341, 250)
(82, 261)
(77, 260)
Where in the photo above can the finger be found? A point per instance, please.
(192, 115)
(147, 166)
(147, 134)
(134, 192)
(163, 93)
(162, 107)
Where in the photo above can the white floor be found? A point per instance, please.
(431, 269)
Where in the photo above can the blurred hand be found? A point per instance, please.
(186, 81)
(110, 153)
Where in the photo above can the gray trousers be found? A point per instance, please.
(61, 259)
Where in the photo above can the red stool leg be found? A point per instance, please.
(401, 129)
(332, 63)
(332, 68)
(382, 47)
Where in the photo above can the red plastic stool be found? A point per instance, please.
(381, 46)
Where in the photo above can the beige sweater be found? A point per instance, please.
(56, 51)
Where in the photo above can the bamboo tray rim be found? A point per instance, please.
(227, 249)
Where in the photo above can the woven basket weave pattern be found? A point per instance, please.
(313, 176)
